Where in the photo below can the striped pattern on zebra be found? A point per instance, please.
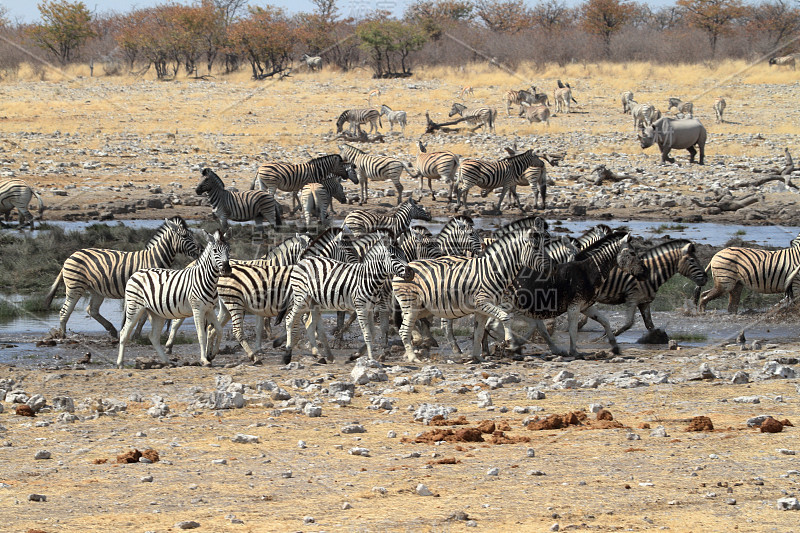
(762, 271)
(458, 237)
(683, 108)
(489, 175)
(373, 167)
(513, 97)
(719, 108)
(395, 117)
(103, 273)
(535, 176)
(662, 262)
(535, 113)
(325, 284)
(479, 116)
(626, 97)
(173, 294)
(288, 251)
(564, 99)
(357, 117)
(316, 198)
(785, 61)
(15, 193)
(293, 177)
(361, 221)
(238, 206)
(591, 236)
(643, 114)
(312, 62)
(419, 243)
(442, 165)
(453, 288)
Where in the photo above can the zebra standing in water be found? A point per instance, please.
(15, 193)
(492, 174)
(238, 206)
(362, 221)
(293, 177)
(373, 167)
(442, 165)
(104, 273)
(357, 117)
(480, 116)
(173, 294)
(762, 271)
(316, 198)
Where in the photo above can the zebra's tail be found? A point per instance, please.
(49, 298)
(278, 219)
(410, 169)
(284, 309)
(41, 204)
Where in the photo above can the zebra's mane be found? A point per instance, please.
(523, 223)
(459, 218)
(323, 159)
(320, 241)
(502, 241)
(597, 246)
(163, 229)
(286, 245)
(665, 248)
(356, 150)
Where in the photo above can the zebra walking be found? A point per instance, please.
(238, 206)
(293, 177)
(316, 198)
(15, 193)
(104, 273)
(361, 221)
(626, 97)
(719, 108)
(325, 284)
(442, 165)
(479, 116)
(357, 117)
(373, 167)
(762, 271)
(174, 294)
(395, 117)
(312, 62)
(489, 175)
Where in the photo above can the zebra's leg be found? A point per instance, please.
(157, 324)
(644, 310)
(214, 336)
(573, 314)
(125, 336)
(362, 180)
(409, 319)
(173, 334)
(292, 316)
(733, 298)
(598, 317)
(477, 338)
(199, 315)
(542, 329)
(66, 310)
(321, 336)
(630, 316)
(93, 309)
(448, 324)
(367, 323)
(211, 318)
(399, 187)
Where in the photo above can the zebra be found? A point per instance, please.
(785, 61)
(563, 97)
(452, 288)
(419, 243)
(536, 113)
(459, 238)
(627, 98)
(479, 116)
(762, 271)
(361, 221)
(15, 193)
(684, 108)
(288, 251)
(518, 98)
(238, 206)
(359, 116)
(442, 165)
(535, 176)
(316, 198)
(662, 262)
(394, 117)
(591, 236)
(104, 273)
(293, 177)
(373, 167)
(312, 62)
(719, 108)
(325, 284)
(490, 175)
(642, 114)
(172, 294)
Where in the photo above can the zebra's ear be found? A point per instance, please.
(688, 249)
(206, 235)
(626, 239)
(228, 234)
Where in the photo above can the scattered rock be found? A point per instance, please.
(700, 423)
(241, 438)
(654, 336)
(353, 428)
(740, 378)
(37, 498)
(24, 410)
(770, 425)
(422, 490)
(604, 414)
(42, 454)
(187, 524)
(788, 504)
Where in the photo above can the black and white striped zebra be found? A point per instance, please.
(452, 287)
(103, 273)
(316, 198)
(357, 117)
(592, 235)
(15, 193)
(361, 221)
(459, 238)
(373, 167)
(312, 62)
(662, 262)
(165, 294)
(442, 165)
(288, 251)
(419, 243)
(395, 117)
(324, 284)
(489, 175)
(682, 109)
(292, 177)
(238, 206)
(479, 116)
(518, 98)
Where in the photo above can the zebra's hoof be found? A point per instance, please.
(287, 358)
(322, 361)
(615, 350)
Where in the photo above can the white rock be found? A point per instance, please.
(422, 490)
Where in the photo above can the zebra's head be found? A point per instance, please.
(690, 266)
(183, 239)
(209, 182)
(333, 186)
(398, 263)
(350, 173)
(457, 109)
(340, 121)
(629, 261)
(418, 211)
(466, 236)
(220, 252)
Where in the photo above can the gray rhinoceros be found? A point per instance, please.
(671, 133)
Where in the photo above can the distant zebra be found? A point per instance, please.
(442, 165)
(719, 108)
(479, 116)
(394, 117)
(684, 108)
(324, 284)
(490, 175)
(104, 273)
(643, 114)
(662, 262)
(312, 62)
(519, 98)
(373, 167)
(292, 177)
(453, 288)
(173, 294)
(563, 97)
(762, 271)
(535, 176)
(784, 61)
(238, 206)
(535, 113)
(361, 221)
(317, 197)
(627, 98)
(357, 117)
(15, 193)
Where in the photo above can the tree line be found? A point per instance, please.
(230, 35)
